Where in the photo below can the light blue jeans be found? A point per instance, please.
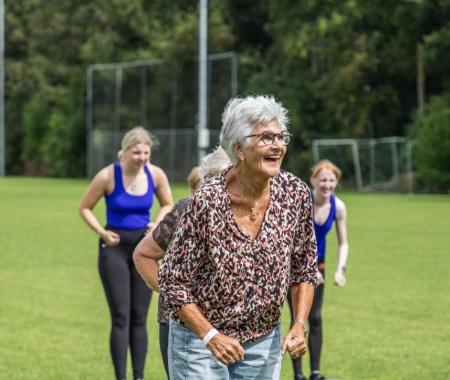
(189, 359)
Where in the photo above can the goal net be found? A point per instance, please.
(162, 99)
(383, 164)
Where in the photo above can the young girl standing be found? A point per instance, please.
(328, 209)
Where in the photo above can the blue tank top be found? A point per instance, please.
(321, 231)
(125, 211)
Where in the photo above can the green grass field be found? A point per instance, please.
(391, 322)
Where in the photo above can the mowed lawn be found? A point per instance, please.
(392, 320)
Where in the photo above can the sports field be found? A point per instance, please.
(391, 322)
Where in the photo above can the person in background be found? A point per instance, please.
(328, 209)
(246, 237)
(152, 248)
(128, 186)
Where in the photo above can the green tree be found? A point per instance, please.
(432, 149)
(343, 68)
(49, 45)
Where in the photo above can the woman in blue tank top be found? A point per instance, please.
(328, 209)
(128, 186)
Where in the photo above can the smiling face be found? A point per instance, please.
(324, 183)
(138, 155)
(263, 160)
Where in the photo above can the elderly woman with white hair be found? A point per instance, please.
(152, 248)
(246, 238)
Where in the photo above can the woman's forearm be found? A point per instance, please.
(88, 216)
(342, 257)
(194, 319)
(302, 297)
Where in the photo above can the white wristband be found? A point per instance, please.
(211, 334)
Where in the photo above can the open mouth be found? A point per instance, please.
(271, 159)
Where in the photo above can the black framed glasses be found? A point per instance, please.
(268, 138)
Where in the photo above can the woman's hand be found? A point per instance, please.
(339, 278)
(227, 350)
(294, 342)
(320, 279)
(110, 238)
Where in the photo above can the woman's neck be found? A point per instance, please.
(319, 200)
(130, 171)
(251, 187)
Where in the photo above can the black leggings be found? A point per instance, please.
(315, 332)
(164, 344)
(128, 299)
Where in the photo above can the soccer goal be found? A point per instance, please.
(161, 98)
(383, 164)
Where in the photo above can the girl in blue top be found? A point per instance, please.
(328, 209)
(128, 186)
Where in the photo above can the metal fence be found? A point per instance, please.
(160, 98)
(175, 150)
(383, 164)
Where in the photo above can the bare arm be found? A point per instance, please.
(341, 230)
(145, 257)
(226, 349)
(162, 192)
(303, 279)
(94, 193)
(295, 340)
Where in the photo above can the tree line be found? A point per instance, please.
(344, 69)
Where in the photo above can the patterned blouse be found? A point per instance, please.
(163, 234)
(240, 283)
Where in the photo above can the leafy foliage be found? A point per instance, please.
(343, 68)
(433, 144)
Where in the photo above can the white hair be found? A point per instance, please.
(213, 163)
(242, 115)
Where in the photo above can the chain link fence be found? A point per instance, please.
(160, 98)
(384, 164)
(175, 150)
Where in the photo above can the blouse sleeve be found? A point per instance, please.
(184, 256)
(304, 256)
(164, 231)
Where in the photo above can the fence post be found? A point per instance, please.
(89, 115)
(359, 182)
(372, 144)
(117, 107)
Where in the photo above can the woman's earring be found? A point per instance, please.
(242, 159)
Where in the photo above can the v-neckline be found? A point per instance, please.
(122, 174)
(328, 216)
(234, 222)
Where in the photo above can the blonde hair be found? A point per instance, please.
(195, 178)
(137, 135)
(325, 164)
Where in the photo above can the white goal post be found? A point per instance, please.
(382, 164)
(354, 148)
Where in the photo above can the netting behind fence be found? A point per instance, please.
(384, 164)
(175, 151)
(160, 98)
